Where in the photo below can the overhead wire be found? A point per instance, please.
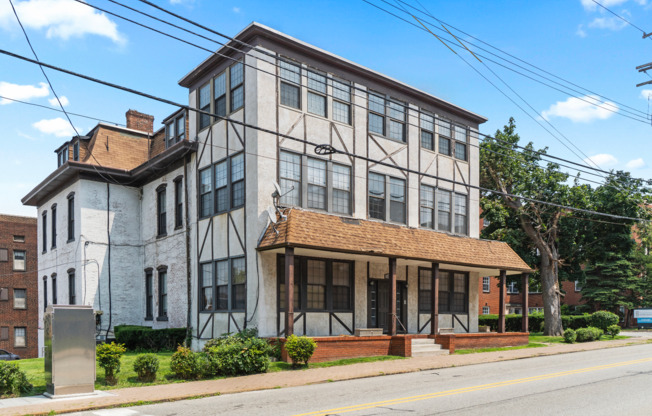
(620, 17)
(59, 110)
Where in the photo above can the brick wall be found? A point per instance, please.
(10, 317)
(453, 342)
(140, 121)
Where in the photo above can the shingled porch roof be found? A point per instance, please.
(312, 230)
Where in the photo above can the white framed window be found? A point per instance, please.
(19, 260)
(486, 284)
(290, 84)
(485, 310)
(578, 286)
(386, 117)
(20, 337)
(175, 130)
(427, 131)
(341, 101)
(443, 212)
(512, 286)
(461, 139)
(316, 93)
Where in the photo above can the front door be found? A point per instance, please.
(378, 315)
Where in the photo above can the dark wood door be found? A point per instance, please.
(378, 296)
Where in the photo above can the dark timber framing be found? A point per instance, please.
(526, 305)
(392, 296)
(289, 291)
(434, 299)
(501, 301)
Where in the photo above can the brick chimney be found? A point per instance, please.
(140, 121)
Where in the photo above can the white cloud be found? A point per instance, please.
(580, 31)
(583, 110)
(591, 6)
(646, 94)
(236, 10)
(22, 92)
(64, 19)
(609, 23)
(602, 159)
(56, 126)
(635, 163)
(63, 99)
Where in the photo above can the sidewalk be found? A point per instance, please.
(179, 391)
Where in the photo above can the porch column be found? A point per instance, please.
(392, 296)
(434, 300)
(289, 291)
(526, 303)
(501, 301)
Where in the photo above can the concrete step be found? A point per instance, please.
(419, 348)
(422, 341)
(429, 353)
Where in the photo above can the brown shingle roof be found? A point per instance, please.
(329, 232)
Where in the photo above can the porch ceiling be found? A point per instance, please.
(318, 234)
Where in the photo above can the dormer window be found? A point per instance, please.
(175, 130)
(75, 152)
(62, 156)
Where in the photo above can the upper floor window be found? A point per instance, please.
(431, 197)
(62, 156)
(72, 293)
(19, 260)
(178, 202)
(223, 285)
(387, 117)
(4, 254)
(175, 130)
(204, 100)
(45, 293)
(445, 137)
(75, 151)
(578, 286)
(20, 298)
(427, 131)
(460, 214)
(19, 239)
(54, 226)
(219, 94)
(341, 101)
(55, 296)
(444, 210)
(379, 187)
(460, 142)
(486, 284)
(290, 84)
(327, 184)
(229, 186)
(236, 75)
(71, 217)
(512, 286)
(316, 93)
(161, 212)
(44, 231)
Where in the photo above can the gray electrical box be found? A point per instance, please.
(69, 349)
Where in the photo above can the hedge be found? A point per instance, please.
(144, 338)
(513, 323)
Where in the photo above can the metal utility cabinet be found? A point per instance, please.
(69, 349)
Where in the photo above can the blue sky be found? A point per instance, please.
(573, 39)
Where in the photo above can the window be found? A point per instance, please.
(45, 293)
(175, 130)
(219, 94)
(204, 105)
(445, 137)
(223, 285)
(221, 186)
(290, 84)
(72, 293)
(427, 210)
(236, 75)
(161, 214)
(71, 217)
(19, 260)
(386, 117)
(4, 333)
(512, 286)
(319, 284)
(237, 180)
(205, 185)
(396, 121)
(44, 233)
(162, 294)
(4, 255)
(75, 151)
(316, 184)
(4, 294)
(397, 200)
(20, 337)
(54, 226)
(460, 214)
(316, 93)
(425, 290)
(443, 210)
(378, 208)
(62, 156)
(178, 203)
(377, 196)
(376, 114)
(290, 178)
(453, 292)
(55, 300)
(578, 286)
(341, 189)
(535, 310)
(460, 142)
(485, 310)
(341, 102)
(149, 295)
(19, 239)
(486, 284)
(427, 131)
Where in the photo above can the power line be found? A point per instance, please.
(60, 111)
(620, 17)
(276, 133)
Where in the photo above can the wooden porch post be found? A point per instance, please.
(501, 301)
(289, 291)
(526, 302)
(434, 300)
(392, 295)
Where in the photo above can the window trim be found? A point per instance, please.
(53, 236)
(178, 202)
(55, 297)
(24, 337)
(282, 81)
(486, 310)
(338, 100)
(45, 293)
(387, 117)
(229, 286)
(71, 217)
(486, 288)
(162, 311)
(149, 294)
(228, 187)
(324, 95)
(44, 231)
(24, 306)
(24, 268)
(161, 211)
(72, 287)
(173, 124)
(387, 198)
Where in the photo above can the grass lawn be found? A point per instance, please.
(520, 347)
(537, 339)
(127, 376)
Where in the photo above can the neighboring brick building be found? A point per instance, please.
(18, 286)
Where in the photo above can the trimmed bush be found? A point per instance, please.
(613, 330)
(108, 357)
(604, 319)
(146, 366)
(144, 338)
(578, 321)
(13, 381)
(589, 334)
(570, 336)
(235, 355)
(300, 349)
(185, 364)
(513, 323)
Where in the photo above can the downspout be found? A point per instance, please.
(188, 260)
(108, 236)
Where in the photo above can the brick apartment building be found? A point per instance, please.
(18, 286)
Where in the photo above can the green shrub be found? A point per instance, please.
(569, 336)
(13, 381)
(300, 349)
(613, 330)
(185, 364)
(108, 357)
(144, 338)
(588, 334)
(234, 355)
(604, 319)
(146, 366)
(579, 321)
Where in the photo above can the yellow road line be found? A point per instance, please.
(365, 406)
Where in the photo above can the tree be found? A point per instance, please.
(533, 229)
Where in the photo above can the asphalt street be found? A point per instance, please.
(602, 382)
